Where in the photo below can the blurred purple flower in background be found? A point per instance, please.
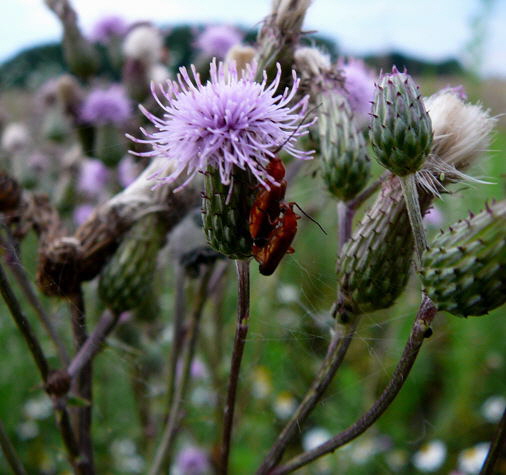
(358, 87)
(128, 171)
(192, 461)
(216, 40)
(434, 217)
(93, 177)
(82, 212)
(108, 27)
(106, 106)
(229, 121)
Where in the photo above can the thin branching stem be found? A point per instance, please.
(19, 274)
(497, 448)
(163, 453)
(10, 453)
(93, 343)
(82, 385)
(336, 351)
(241, 331)
(345, 214)
(362, 197)
(28, 334)
(419, 331)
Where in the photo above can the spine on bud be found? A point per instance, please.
(401, 130)
(344, 157)
(464, 270)
(225, 210)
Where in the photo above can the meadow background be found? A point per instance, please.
(456, 380)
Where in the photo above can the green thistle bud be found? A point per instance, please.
(225, 210)
(375, 263)
(464, 270)
(125, 280)
(344, 157)
(401, 130)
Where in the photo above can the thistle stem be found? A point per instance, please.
(10, 453)
(93, 343)
(177, 333)
(83, 384)
(422, 323)
(40, 360)
(336, 351)
(408, 184)
(362, 197)
(162, 455)
(345, 214)
(241, 331)
(19, 274)
(497, 447)
(23, 325)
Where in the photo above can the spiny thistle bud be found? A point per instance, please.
(401, 132)
(464, 270)
(224, 208)
(344, 157)
(125, 279)
(10, 192)
(375, 262)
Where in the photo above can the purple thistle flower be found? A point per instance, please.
(229, 121)
(107, 28)
(93, 177)
(106, 106)
(192, 461)
(359, 87)
(216, 40)
(128, 171)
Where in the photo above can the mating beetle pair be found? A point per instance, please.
(272, 221)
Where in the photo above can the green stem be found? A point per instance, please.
(241, 331)
(336, 351)
(182, 384)
(497, 447)
(419, 332)
(10, 453)
(408, 184)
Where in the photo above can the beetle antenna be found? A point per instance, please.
(309, 217)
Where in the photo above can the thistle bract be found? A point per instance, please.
(344, 157)
(464, 270)
(401, 131)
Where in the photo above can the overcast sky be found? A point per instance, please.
(433, 29)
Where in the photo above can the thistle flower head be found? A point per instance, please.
(108, 27)
(106, 106)
(216, 40)
(144, 43)
(93, 177)
(228, 122)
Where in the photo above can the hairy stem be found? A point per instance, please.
(162, 456)
(83, 384)
(497, 448)
(408, 184)
(419, 331)
(336, 351)
(10, 453)
(241, 331)
(17, 270)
